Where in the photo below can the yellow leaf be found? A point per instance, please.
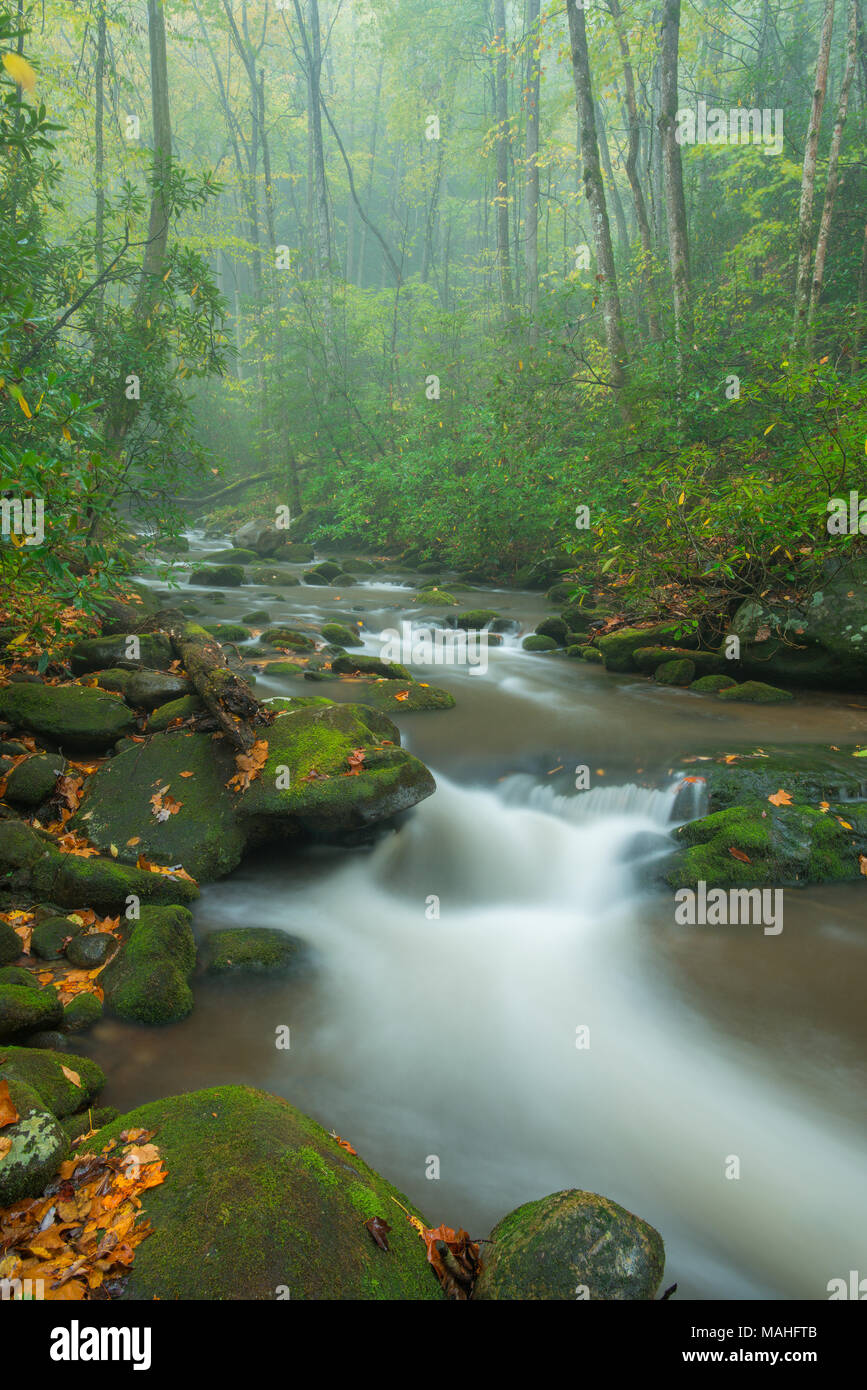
(65, 432)
(20, 71)
(770, 427)
(112, 849)
(71, 1076)
(680, 499)
(24, 406)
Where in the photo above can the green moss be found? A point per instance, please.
(809, 773)
(82, 1012)
(474, 619)
(256, 950)
(370, 666)
(783, 845)
(74, 716)
(646, 659)
(17, 975)
(592, 654)
(218, 576)
(24, 1010)
(756, 693)
(184, 708)
(98, 653)
(38, 1146)
(229, 632)
(436, 598)
(50, 934)
(288, 637)
(618, 648)
(146, 981)
(258, 1197)
(343, 636)
(406, 696)
(10, 945)
(258, 615)
(536, 643)
(710, 685)
(679, 672)
(32, 781)
(43, 1071)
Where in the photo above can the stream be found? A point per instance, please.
(453, 1037)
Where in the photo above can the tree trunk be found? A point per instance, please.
(226, 695)
(678, 244)
(595, 192)
(502, 117)
(531, 214)
(808, 177)
(99, 161)
(833, 166)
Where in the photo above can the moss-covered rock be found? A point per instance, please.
(251, 950)
(646, 659)
(151, 689)
(288, 637)
(81, 1013)
(342, 636)
(73, 716)
(711, 685)
(473, 619)
(618, 648)
(571, 1244)
(51, 934)
(92, 950)
(755, 693)
(370, 666)
(76, 1126)
(31, 782)
(261, 1203)
(38, 1147)
(436, 598)
(679, 672)
(555, 628)
(820, 642)
(10, 944)
(810, 773)
(310, 750)
(44, 1072)
(256, 616)
(147, 981)
(33, 862)
(234, 555)
(218, 576)
(17, 975)
(779, 845)
(97, 653)
(592, 654)
(24, 1010)
(229, 632)
(115, 679)
(202, 835)
(406, 697)
(535, 643)
(273, 574)
(184, 708)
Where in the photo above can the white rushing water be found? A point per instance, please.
(456, 1036)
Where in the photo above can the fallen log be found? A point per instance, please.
(226, 695)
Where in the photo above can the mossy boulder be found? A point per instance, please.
(261, 1203)
(536, 643)
(31, 782)
(288, 637)
(43, 1071)
(99, 653)
(436, 598)
(273, 574)
(370, 666)
(256, 616)
(151, 689)
(327, 570)
(618, 648)
(147, 981)
(76, 1126)
(575, 651)
(33, 862)
(555, 628)
(73, 716)
(51, 934)
(91, 950)
(755, 693)
(251, 950)
(647, 659)
(38, 1147)
(81, 1013)
(218, 576)
(310, 750)
(711, 685)
(166, 714)
(473, 619)
(10, 944)
(115, 678)
(342, 636)
(17, 975)
(679, 672)
(229, 632)
(592, 654)
(406, 697)
(780, 845)
(202, 835)
(25, 1010)
(810, 773)
(571, 1244)
(236, 555)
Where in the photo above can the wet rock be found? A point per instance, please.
(258, 615)
(406, 697)
(710, 685)
(73, 716)
(38, 1147)
(184, 708)
(810, 773)
(10, 944)
(536, 643)
(147, 981)
(81, 1013)
(554, 628)
(271, 574)
(99, 653)
(472, 619)
(218, 576)
(292, 1206)
(31, 783)
(342, 636)
(229, 632)
(24, 1010)
(288, 637)
(150, 689)
(370, 666)
(90, 951)
(251, 950)
(49, 936)
(755, 693)
(43, 1071)
(680, 672)
(436, 598)
(571, 1245)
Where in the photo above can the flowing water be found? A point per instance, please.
(458, 963)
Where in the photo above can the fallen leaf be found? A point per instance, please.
(8, 1113)
(72, 1076)
(378, 1226)
(780, 798)
(739, 854)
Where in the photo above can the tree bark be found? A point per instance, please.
(833, 178)
(808, 176)
(99, 160)
(595, 192)
(531, 214)
(501, 110)
(678, 243)
(226, 695)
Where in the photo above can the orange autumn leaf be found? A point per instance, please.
(72, 1076)
(8, 1113)
(249, 766)
(780, 798)
(862, 864)
(739, 854)
(401, 694)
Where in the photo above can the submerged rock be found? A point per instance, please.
(251, 950)
(571, 1245)
(73, 716)
(261, 1203)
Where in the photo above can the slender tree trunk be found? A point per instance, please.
(502, 117)
(99, 161)
(833, 179)
(531, 214)
(678, 244)
(595, 192)
(370, 172)
(808, 177)
(605, 155)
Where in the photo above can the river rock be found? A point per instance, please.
(44, 1072)
(50, 934)
(73, 716)
(618, 648)
(288, 637)
(97, 653)
(38, 1147)
(147, 981)
(538, 643)
(680, 672)
(571, 1245)
(436, 598)
(261, 536)
(406, 697)
(81, 1013)
(273, 574)
(31, 782)
(554, 628)
(251, 950)
(150, 689)
(712, 685)
(90, 951)
(755, 693)
(647, 659)
(810, 773)
(370, 666)
(342, 636)
(184, 708)
(25, 1010)
(292, 1208)
(10, 944)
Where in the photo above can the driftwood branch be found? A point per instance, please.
(226, 695)
(226, 491)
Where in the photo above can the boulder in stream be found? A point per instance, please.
(251, 950)
(147, 981)
(32, 781)
(73, 716)
(571, 1245)
(97, 653)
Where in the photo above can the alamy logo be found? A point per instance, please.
(847, 518)
(23, 518)
(738, 126)
(76, 1343)
(855, 1288)
(757, 907)
(22, 1290)
(436, 647)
